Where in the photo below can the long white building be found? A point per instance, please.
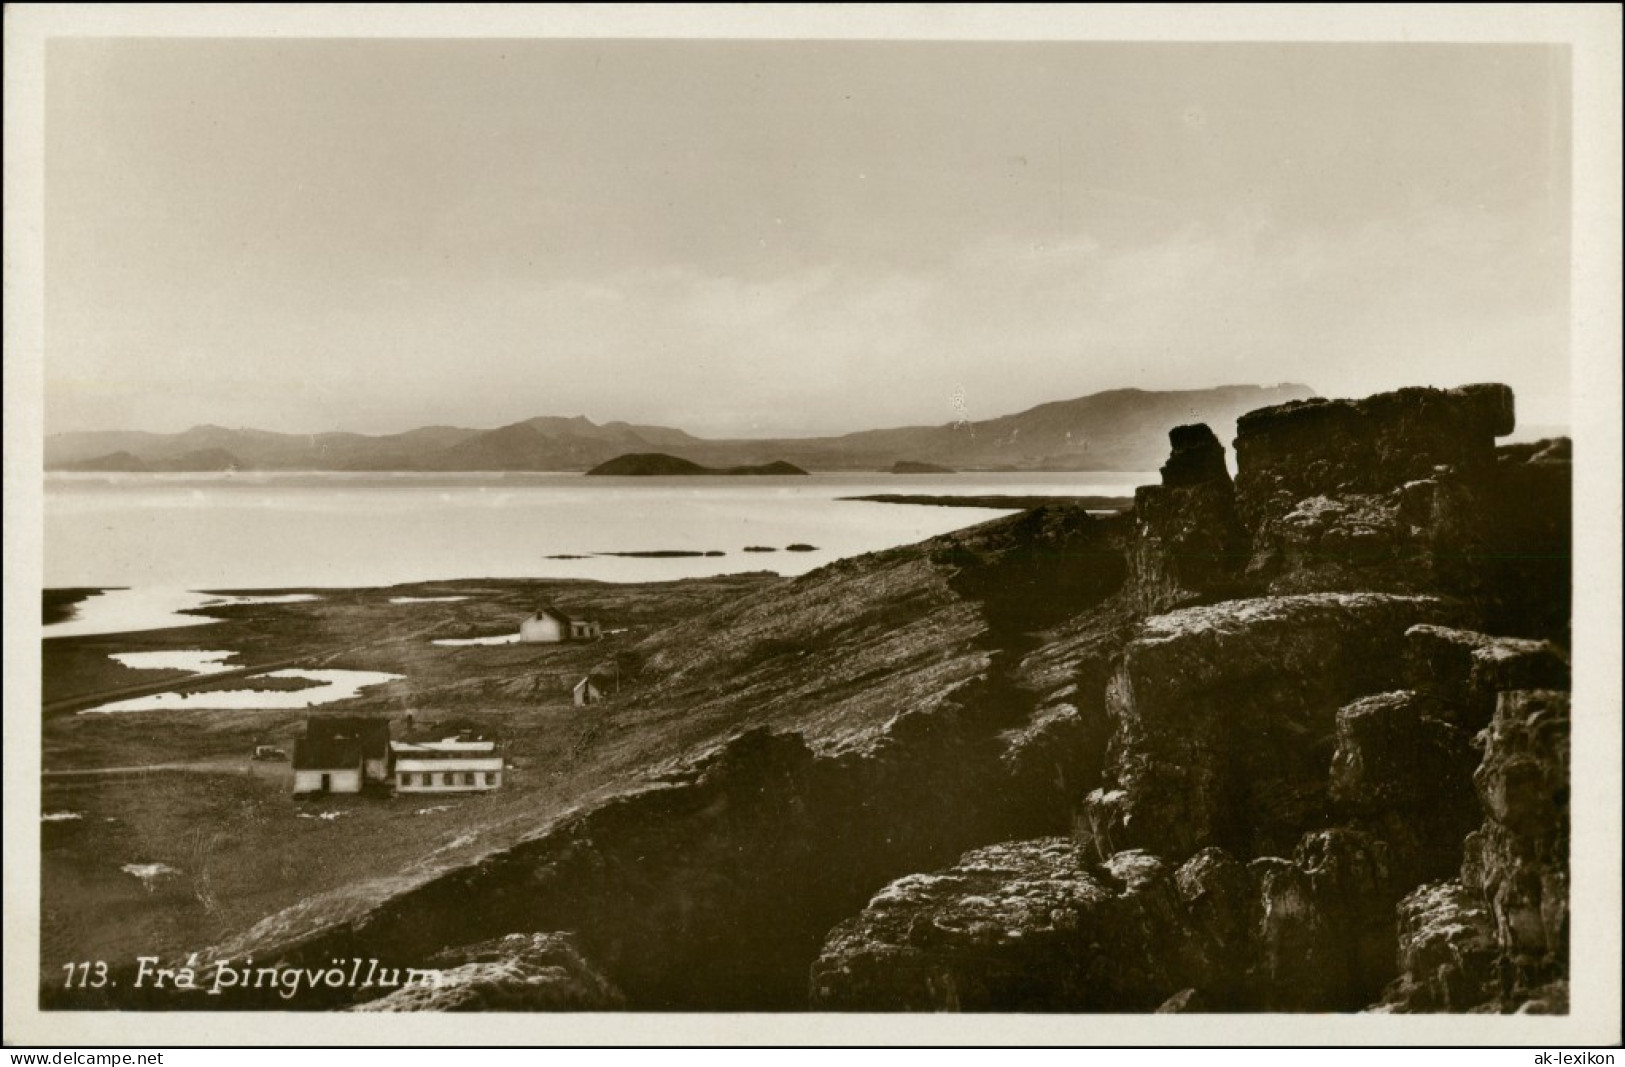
(449, 766)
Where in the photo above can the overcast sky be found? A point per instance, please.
(751, 238)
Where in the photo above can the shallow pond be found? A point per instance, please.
(334, 685)
(197, 661)
(117, 611)
(455, 642)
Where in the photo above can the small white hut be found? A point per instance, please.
(586, 691)
(550, 626)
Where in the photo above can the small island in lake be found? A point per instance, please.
(665, 553)
(914, 466)
(645, 464)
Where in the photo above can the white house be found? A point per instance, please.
(550, 626)
(331, 767)
(448, 766)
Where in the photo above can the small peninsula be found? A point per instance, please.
(647, 464)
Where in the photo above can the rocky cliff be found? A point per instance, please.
(1295, 741)
(1393, 492)
(1325, 785)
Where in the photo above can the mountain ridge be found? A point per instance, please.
(1118, 429)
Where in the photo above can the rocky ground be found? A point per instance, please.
(1296, 741)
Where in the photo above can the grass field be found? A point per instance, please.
(176, 788)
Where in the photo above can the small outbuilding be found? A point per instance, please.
(587, 691)
(550, 626)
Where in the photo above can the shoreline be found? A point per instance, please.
(1013, 503)
(61, 604)
(269, 633)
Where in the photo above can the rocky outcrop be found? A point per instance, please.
(1325, 931)
(1447, 951)
(1309, 755)
(1307, 447)
(1188, 545)
(1225, 718)
(1042, 926)
(1038, 568)
(1497, 938)
(1398, 492)
(1519, 859)
(1387, 493)
(1015, 927)
(1052, 762)
(1197, 458)
(1531, 540)
(520, 972)
(1405, 775)
(1023, 926)
(1464, 671)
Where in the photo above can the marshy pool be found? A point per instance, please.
(196, 661)
(458, 642)
(332, 686)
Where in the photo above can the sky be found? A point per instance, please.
(754, 238)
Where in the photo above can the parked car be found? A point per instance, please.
(269, 752)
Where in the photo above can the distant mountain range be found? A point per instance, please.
(1122, 429)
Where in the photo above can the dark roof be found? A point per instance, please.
(548, 609)
(372, 734)
(326, 754)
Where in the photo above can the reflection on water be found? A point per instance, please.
(334, 685)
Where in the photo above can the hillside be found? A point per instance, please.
(112, 461)
(1216, 754)
(1117, 430)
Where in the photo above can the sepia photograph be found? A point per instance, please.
(654, 516)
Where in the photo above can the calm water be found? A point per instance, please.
(163, 536)
(146, 607)
(332, 686)
(195, 660)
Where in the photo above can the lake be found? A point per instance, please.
(165, 534)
